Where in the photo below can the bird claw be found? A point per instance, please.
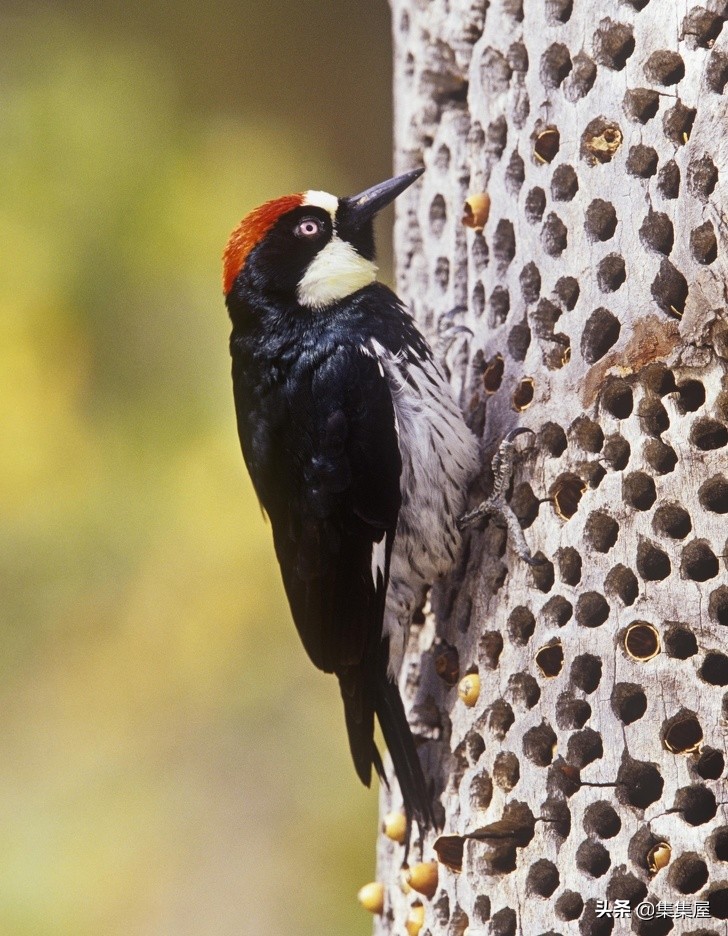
(496, 507)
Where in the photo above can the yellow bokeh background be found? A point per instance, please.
(170, 762)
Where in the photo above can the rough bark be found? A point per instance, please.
(596, 303)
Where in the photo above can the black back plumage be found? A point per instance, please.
(318, 431)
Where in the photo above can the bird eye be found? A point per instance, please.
(308, 228)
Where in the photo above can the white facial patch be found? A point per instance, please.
(335, 272)
(323, 200)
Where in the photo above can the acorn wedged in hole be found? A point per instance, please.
(423, 877)
(469, 689)
(394, 826)
(371, 897)
(476, 210)
(415, 920)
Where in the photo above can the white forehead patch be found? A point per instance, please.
(335, 272)
(322, 200)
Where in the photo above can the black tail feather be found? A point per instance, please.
(402, 750)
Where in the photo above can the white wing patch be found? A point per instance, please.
(379, 554)
(334, 273)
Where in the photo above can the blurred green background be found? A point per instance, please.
(170, 762)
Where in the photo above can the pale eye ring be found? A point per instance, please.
(308, 228)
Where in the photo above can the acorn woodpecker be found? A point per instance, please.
(357, 451)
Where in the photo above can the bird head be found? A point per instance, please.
(312, 248)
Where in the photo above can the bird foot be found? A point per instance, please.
(496, 507)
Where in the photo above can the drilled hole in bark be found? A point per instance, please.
(543, 574)
(716, 74)
(504, 243)
(616, 452)
(641, 104)
(690, 396)
(611, 273)
(708, 434)
(710, 764)
(592, 609)
(720, 844)
(493, 374)
(564, 183)
(442, 273)
(496, 136)
(552, 438)
(519, 340)
(600, 141)
(499, 718)
(566, 493)
(600, 221)
(680, 642)
(641, 641)
(653, 416)
(622, 582)
(642, 161)
(688, 873)
(571, 712)
(656, 232)
(438, 215)
(586, 672)
(481, 791)
(629, 702)
(678, 123)
(523, 394)
(475, 746)
(715, 669)
(515, 173)
(479, 251)
(703, 243)
(625, 886)
(702, 177)
(521, 625)
(696, 803)
(593, 922)
(550, 659)
(601, 331)
(592, 858)
(600, 819)
(718, 605)
(682, 733)
(601, 531)
(555, 65)
(584, 747)
(478, 299)
(699, 562)
(569, 562)
(569, 906)
(639, 783)
(672, 520)
(535, 205)
(539, 744)
(616, 398)
(614, 43)
(718, 904)
(658, 379)
(668, 180)
(542, 878)
(506, 770)
(638, 490)
(557, 611)
(504, 922)
(554, 236)
(587, 434)
(664, 68)
(660, 456)
(530, 282)
(670, 290)
(704, 26)
(653, 563)
(582, 77)
(500, 305)
(491, 647)
(567, 291)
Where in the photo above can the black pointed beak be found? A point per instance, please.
(358, 209)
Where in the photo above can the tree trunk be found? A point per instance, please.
(595, 306)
